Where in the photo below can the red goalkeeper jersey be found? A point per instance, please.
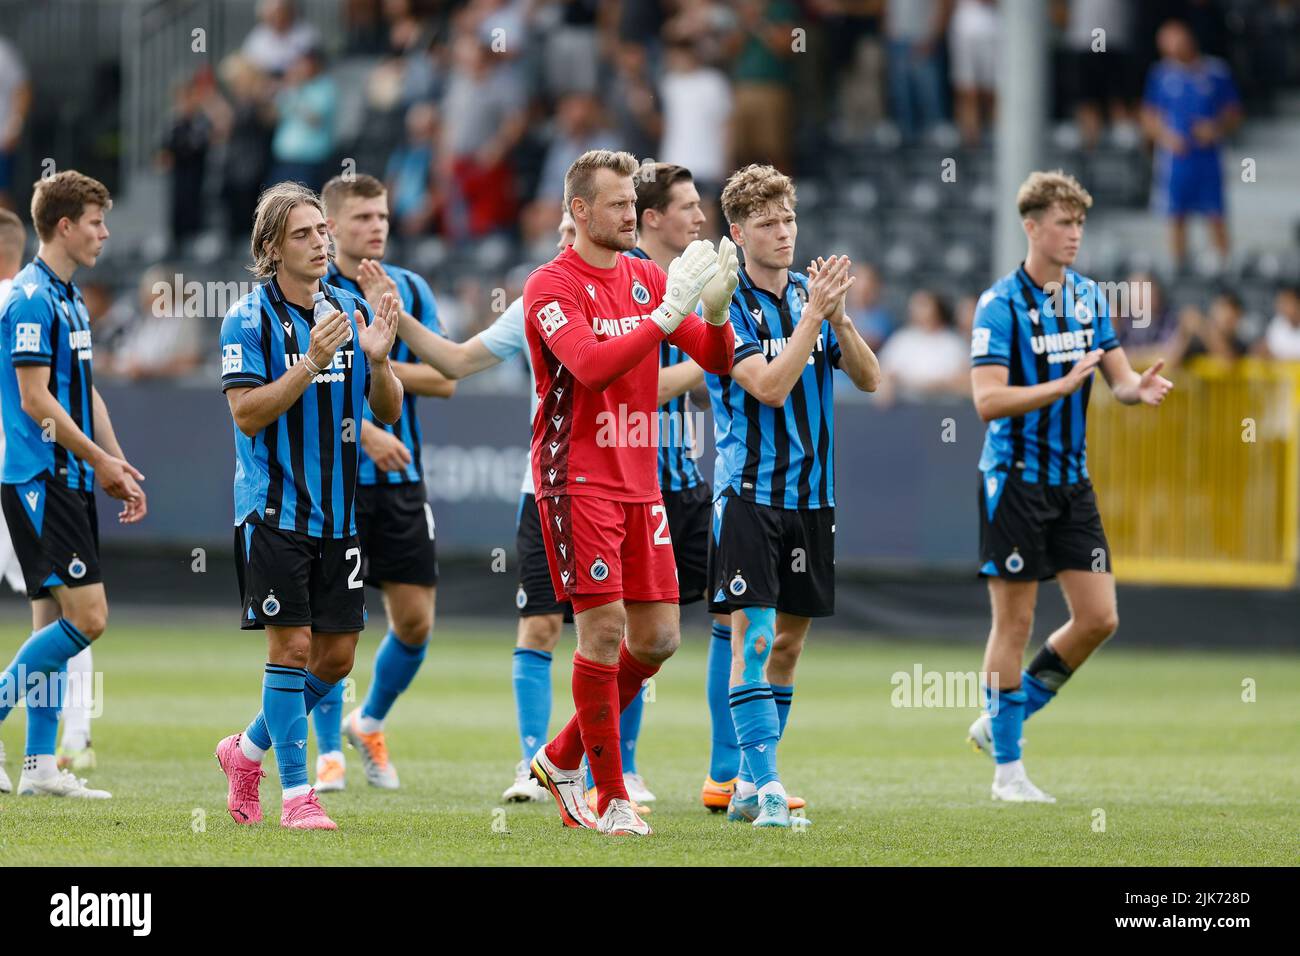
(595, 357)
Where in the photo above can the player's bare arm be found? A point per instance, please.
(117, 477)
(376, 340)
(994, 398)
(771, 382)
(255, 408)
(374, 281)
(385, 448)
(679, 379)
(857, 359)
(1128, 386)
(136, 506)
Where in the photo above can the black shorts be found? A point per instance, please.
(536, 594)
(55, 531)
(289, 579)
(397, 532)
(782, 558)
(1029, 531)
(688, 525)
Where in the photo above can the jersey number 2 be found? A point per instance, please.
(353, 580)
(661, 533)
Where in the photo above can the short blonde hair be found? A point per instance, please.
(65, 194)
(580, 180)
(1042, 190)
(752, 189)
(271, 220)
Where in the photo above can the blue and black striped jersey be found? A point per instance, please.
(677, 468)
(44, 322)
(781, 457)
(418, 301)
(1039, 337)
(300, 472)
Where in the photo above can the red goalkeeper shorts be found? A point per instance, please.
(601, 551)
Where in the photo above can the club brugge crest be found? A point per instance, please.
(521, 598)
(599, 570)
(802, 293)
(271, 606)
(1082, 313)
(1015, 563)
(639, 292)
(77, 568)
(737, 587)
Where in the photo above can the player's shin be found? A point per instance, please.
(286, 720)
(753, 705)
(44, 701)
(1043, 678)
(324, 702)
(596, 696)
(78, 702)
(531, 675)
(724, 756)
(396, 664)
(1006, 708)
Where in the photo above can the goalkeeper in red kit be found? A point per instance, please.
(594, 321)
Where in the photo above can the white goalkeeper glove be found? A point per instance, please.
(716, 297)
(687, 276)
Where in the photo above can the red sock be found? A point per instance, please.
(631, 674)
(566, 749)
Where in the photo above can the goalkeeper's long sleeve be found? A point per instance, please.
(598, 364)
(712, 346)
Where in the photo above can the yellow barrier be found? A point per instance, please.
(1206, 489)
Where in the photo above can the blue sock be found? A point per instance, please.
(1037, 696)
(45, 651)
(286, 719)
(313, 692)
(753, 709)
(1008, 721)
(784, 695)
(724, 757)
(324, 702)
(395, 667)
(629, 728)
(531, 671)
(44, 704)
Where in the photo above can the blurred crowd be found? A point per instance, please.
(471, 111)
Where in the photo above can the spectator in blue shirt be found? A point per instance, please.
(1189, 106)
(304, 139)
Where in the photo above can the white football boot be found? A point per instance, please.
(568, 787)
(525, 789)
(620, 819)
(637, 791)
(1012, 784)
(60, 784)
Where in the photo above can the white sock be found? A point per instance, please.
(299, 791)
(251, 750)
(773, 787)
(333, 755)
(1008, 771)
(40, 765)
(79, 701)
(745, 789)
(368, 725)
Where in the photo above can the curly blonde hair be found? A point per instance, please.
(1042, 190)
(752, 189)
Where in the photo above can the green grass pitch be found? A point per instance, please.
(1158, 746)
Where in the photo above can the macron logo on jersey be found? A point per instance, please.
(551, 318)
(27, 337)
(30, 288)
(232, 358)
